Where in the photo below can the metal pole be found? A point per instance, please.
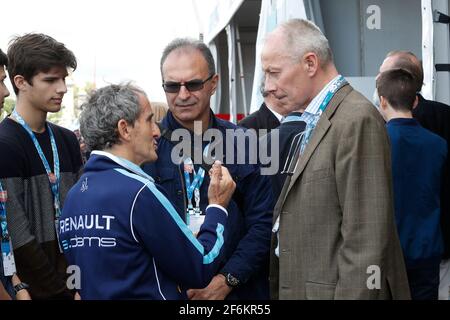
(241, 70)
(231, 36)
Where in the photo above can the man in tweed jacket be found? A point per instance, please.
(334, 230)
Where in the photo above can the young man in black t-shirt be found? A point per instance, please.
(40, 161)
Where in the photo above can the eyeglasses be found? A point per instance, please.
(193, 85)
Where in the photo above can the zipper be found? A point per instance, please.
(183, 188)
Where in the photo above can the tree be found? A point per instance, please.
(8, 107)
(55, 117)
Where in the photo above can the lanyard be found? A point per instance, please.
(53, 178)
(340, 82)
(6, 248)
(7, 256)
(311, 120)
(198, 176)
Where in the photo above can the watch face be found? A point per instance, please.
(232, 281)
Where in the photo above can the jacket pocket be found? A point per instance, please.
(317, 174)
(320, 291)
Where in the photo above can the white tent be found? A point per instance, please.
(360, 32)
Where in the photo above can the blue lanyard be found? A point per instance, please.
(332, 91)
(311, 124)
(198, 179)
(198, 176)
(53, 178)
(6, 248)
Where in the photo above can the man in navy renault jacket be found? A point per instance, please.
(118, 226)
(189, 80)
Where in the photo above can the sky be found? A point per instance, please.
(113, 40)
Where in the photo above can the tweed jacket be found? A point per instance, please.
(337, 233)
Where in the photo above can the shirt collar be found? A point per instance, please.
(314, 105)
(276, 114)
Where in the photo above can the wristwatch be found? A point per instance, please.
(20, 286)
(231, 280)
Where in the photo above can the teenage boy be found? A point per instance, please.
(418, 158)
(40, 161)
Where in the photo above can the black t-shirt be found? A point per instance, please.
(30, 209)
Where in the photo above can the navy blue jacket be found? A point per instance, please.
(435, 116)
(288, 137)
(262, 118)
(418, 157)
(129, 241)
(247, 238)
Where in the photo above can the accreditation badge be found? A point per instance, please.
(9, 265)
(195, 222)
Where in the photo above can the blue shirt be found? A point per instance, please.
(418, 156)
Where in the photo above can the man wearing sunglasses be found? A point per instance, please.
(189, 80)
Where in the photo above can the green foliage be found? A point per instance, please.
(89, 87)
(8, 107)
(54, 117)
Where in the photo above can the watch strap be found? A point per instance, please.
(20, 286)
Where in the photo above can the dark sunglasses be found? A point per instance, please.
(193, 85)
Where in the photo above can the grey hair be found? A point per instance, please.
(303, 36)
(262, 87)
(103, 111)
(189, 43)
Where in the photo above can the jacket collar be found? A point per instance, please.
(170, 122)
(403, 122)
(102, 160)
(319, 132)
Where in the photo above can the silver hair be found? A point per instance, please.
(303, 36)
(188, 43)
(103, 111)
(262, 87)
